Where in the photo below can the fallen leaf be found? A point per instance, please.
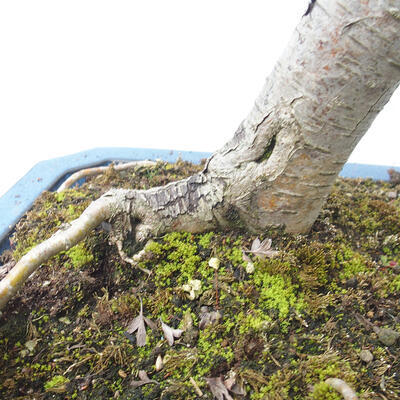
(208, 318)
(187, 321)
(233, 386)
(218, 389)
(262, 249)
(144, 380)
(159, 363)
(138, 325)
(170, 333)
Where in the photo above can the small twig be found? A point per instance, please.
(71, 367)
(274, 360)
(216, 291)
(100, 170)
(196, 387)
(330, 342)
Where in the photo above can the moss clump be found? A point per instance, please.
(178, 260)
(351, 263)
(79, 255)
(56, 384)
(277, 293)
(322, 391)
(394, 285)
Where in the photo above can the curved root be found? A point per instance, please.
(94, 215)
(342, 387)
(99, 170)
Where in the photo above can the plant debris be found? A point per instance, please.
(138, 325)
(218, 389)
(170, 333)
(262, 249)
(144, 380)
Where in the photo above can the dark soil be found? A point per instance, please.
(274, 327)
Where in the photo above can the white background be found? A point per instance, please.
(176, 74)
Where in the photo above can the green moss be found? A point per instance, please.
(394, 285)
(277, 293)
(205, 240)
(255, 321)
(79, 255)
(56, 383)
(323, 391)
(351, 263)
(179, 260)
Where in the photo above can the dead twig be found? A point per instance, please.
(196, 387)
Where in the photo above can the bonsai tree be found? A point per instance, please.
(338, 71)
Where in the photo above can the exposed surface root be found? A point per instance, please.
(343, 388)
(83, 173)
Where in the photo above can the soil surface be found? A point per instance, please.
(224, 315)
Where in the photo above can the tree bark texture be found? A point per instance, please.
(337, 73)
(340, 68)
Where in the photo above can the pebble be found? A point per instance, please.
(352, 282)
(387, 336)
(366, 356)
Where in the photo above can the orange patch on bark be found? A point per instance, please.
(326, 68)
(266, 202)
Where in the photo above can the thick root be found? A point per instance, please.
(94, 215)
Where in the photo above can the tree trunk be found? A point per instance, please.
(338, 71)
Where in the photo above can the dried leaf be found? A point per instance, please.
(159, 363)
(263, 249)
(218, 388)
(209, 318)
(143, 375)
(170, 333)
(214, 263)
(31, 344)
(250, 265)
(238, 390)
(138, 325)
(229, 382)
(144, 380)
(246, 257)
(233, 386)
(150, 323)
(256, 244)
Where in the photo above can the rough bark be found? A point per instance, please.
(338, 71)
